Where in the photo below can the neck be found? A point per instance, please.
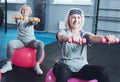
(26, 17)
(74, 30)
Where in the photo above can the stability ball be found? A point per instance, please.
(50, 77)
(25, 57)
(0, 76)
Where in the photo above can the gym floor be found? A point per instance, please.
(11, 34)
(98, 54)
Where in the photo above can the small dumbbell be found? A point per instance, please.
(105, 40)
(18, 17)
(32, 20)
(70, 40)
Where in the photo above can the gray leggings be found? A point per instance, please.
(16, 44)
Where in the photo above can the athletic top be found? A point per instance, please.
(25, 31)
(74, 55)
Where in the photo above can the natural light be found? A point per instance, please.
(14, 1)
(73, 2)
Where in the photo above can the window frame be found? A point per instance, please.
(73, 2)
(14, 1)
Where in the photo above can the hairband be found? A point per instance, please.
(74, 11)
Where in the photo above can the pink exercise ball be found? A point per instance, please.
(25, 57)
(0, 76)
(50, 77)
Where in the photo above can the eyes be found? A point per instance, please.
(25, 9)
(75, 17)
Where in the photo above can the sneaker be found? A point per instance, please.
(38, 69)
(6, 67)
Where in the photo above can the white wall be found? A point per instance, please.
(10, 15)
(57, 12)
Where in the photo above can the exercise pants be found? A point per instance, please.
(16, 44)
(88, 72)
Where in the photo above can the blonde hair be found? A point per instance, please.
(67, 18)
(27, 7)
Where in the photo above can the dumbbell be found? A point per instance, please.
(105, 40)
(70, 40)
(18, 17)
(21, 18)
(32, 20)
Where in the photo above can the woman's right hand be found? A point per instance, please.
(18, 17)
(78, 39)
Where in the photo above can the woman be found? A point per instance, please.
(73, 62)
(26, 38)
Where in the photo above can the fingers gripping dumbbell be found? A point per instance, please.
(34, 20)
(70, 40)
(105, 40)
(18, 17)
(31, 19)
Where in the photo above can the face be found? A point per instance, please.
(25, 11)
(75, 21)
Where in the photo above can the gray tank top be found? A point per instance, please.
(74, 55)
(25, 31)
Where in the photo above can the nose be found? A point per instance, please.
(76, 20)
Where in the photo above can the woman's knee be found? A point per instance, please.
(39, 44)
(103, 75)
(15, 44)
(55, 69)
(11, 45)
(61, 70)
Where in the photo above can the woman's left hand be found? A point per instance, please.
(111, 39)
(35, 19)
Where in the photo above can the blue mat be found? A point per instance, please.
(46, 37)
(11, 34)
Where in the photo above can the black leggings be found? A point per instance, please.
(88, 72)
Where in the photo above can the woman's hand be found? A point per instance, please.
(18, 17)
(110, 39)
(78, 39)
(34, 19)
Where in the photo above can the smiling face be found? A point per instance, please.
(74, 20)
(25, 11)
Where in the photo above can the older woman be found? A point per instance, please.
(73, 62)
(25, 38)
